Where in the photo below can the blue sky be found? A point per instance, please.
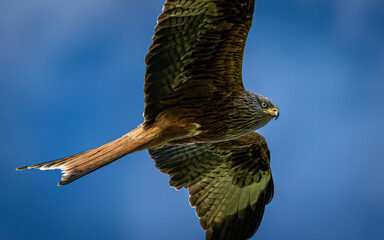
(71, 78)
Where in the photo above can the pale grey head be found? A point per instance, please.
(264, 110)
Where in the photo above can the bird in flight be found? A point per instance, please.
(200, 121)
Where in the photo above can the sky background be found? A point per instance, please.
(71, 78)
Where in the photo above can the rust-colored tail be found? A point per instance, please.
(79, 165)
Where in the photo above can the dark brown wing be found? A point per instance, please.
(229, 183)
(197, 52)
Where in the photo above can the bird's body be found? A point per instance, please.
(214, 121)
(199, 120)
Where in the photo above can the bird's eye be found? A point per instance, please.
(264, 105)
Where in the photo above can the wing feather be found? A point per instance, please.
(229, 182)
(196, 52)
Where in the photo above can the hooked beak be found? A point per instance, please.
(273, 112)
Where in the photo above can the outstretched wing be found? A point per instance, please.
(196, 53)
(229, 183)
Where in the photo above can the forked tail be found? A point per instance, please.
(76, 166)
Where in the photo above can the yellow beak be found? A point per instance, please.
(274, 112)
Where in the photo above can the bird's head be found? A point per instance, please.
(268, 108)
